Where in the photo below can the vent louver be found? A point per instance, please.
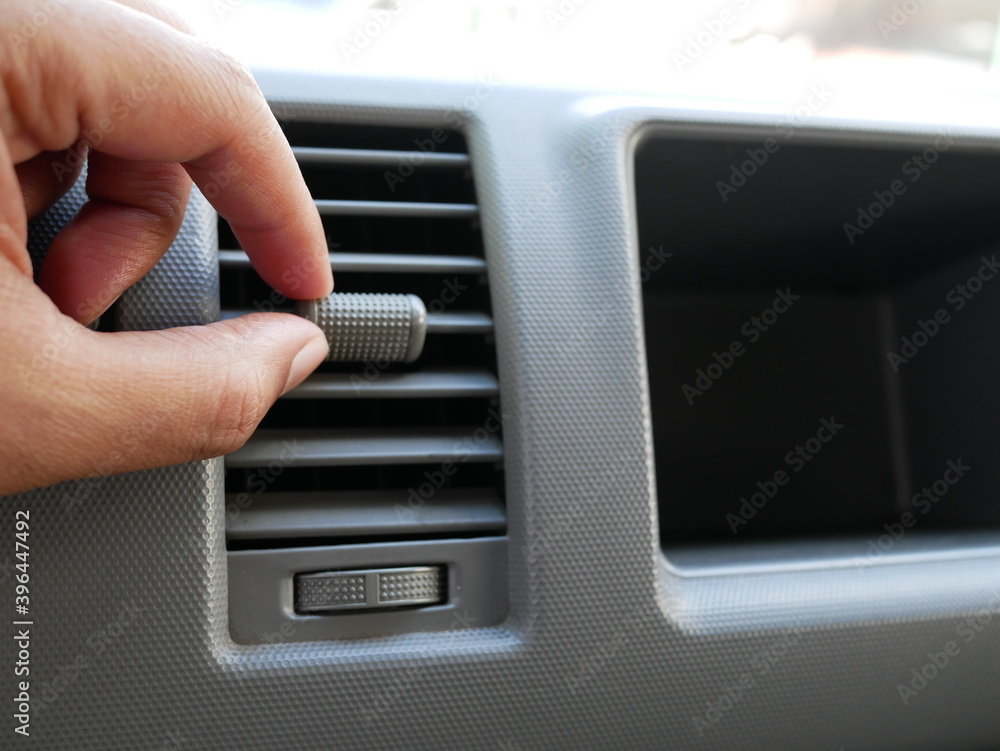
(377, 451)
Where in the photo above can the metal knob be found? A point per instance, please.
(368, 327)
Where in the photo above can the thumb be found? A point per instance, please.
(111, 403)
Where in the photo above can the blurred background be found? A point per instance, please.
(923, 51)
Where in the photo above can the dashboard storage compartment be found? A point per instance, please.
(822, 336)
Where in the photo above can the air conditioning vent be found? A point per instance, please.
(368, 454)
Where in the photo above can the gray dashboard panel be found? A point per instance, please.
(608, 642)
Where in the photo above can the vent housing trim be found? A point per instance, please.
(377, 456)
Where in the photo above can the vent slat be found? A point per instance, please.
(366, 513)
(377, 158)
(437, 323)
(459, 323)
(426, 384)
(380, 262)
(340, 448)
(416, 209)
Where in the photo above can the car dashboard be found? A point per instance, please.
(699, 453)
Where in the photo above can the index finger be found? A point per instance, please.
(142, 90)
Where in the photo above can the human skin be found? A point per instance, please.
(75, 403)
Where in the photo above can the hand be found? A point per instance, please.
(76, 403)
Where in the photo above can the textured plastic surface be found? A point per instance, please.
(102, 605)
(264, 587)
(330, 591)
(606, 645)
(333, 590)
(369, 328)
(182, 289)
(411, 586)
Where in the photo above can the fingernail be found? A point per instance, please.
(89, 311)
(306, 361)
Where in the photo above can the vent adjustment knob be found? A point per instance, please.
(370, 588)
(368, 327)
